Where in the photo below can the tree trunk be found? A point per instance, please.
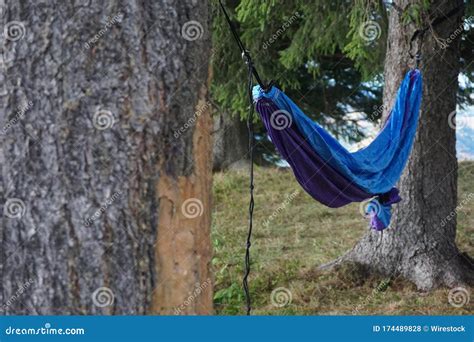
(230, 149)
(420, 244)
(106, 175)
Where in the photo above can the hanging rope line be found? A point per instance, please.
(252, 72)
(245, 53)
(251, 202)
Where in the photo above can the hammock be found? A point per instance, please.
(330, 173)
(324, 168)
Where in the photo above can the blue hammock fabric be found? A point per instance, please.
(328, 171)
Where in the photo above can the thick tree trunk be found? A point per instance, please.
(106, 176)
(230, 149)
(420, 244)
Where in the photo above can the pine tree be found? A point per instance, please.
(106, 175)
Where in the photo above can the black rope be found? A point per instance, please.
(251, 202)
(252, 72)
(232, 29)
(245, 53)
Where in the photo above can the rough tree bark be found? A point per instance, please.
(420, 244)
(230, 137)
(106, 176)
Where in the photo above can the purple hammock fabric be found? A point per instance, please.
(317, 177)
(329, 172)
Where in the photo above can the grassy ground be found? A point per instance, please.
(293, 234)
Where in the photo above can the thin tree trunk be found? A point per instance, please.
(106, 176)
(420, 243)
(230, 143)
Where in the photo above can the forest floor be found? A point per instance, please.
(293, 234)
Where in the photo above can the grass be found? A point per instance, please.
(293, 234)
